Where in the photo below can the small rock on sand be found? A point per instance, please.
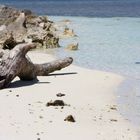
(113, 107)
(60, 95)
(113, 120)
(56, 103)
(69, 118)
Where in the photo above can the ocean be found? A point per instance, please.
(88, 8)
(108, 36)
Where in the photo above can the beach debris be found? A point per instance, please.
(22, 66)
(41, 117)
(72, 47)
(69, 118)
(37, 134)
(113, 120)
(114, 107)
(100, 118)
(56, 103)
(60, 94)
(17, 95)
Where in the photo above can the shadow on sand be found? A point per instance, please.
(62, 74)
(19, 83)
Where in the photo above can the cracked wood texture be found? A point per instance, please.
(16, 63)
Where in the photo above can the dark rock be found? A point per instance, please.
(50, 41)
(41, 117)
(113, 120)
(56, 103)
(60, 95)
(137, 62)
(9, 43)
(69, 118)
(113, 108)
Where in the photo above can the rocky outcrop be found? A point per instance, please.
(8, 15)
(72, 47)
(63, 29)
(27, 27)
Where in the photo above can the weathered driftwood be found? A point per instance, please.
(16, 63)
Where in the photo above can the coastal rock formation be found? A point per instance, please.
(27, 27)
(64, 31)
(69, 32)
(72, 47)
(9, 43)
(60, 94)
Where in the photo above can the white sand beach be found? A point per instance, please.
(91, 100)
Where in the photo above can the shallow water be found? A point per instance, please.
(110, 44)
(113, 45)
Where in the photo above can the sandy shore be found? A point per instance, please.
(89, 94)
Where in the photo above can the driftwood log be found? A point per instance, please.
(16, 63)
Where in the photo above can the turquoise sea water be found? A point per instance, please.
(110, 44)
(87, 8)
(113, 45)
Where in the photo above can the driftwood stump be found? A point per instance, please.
(16, 63)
